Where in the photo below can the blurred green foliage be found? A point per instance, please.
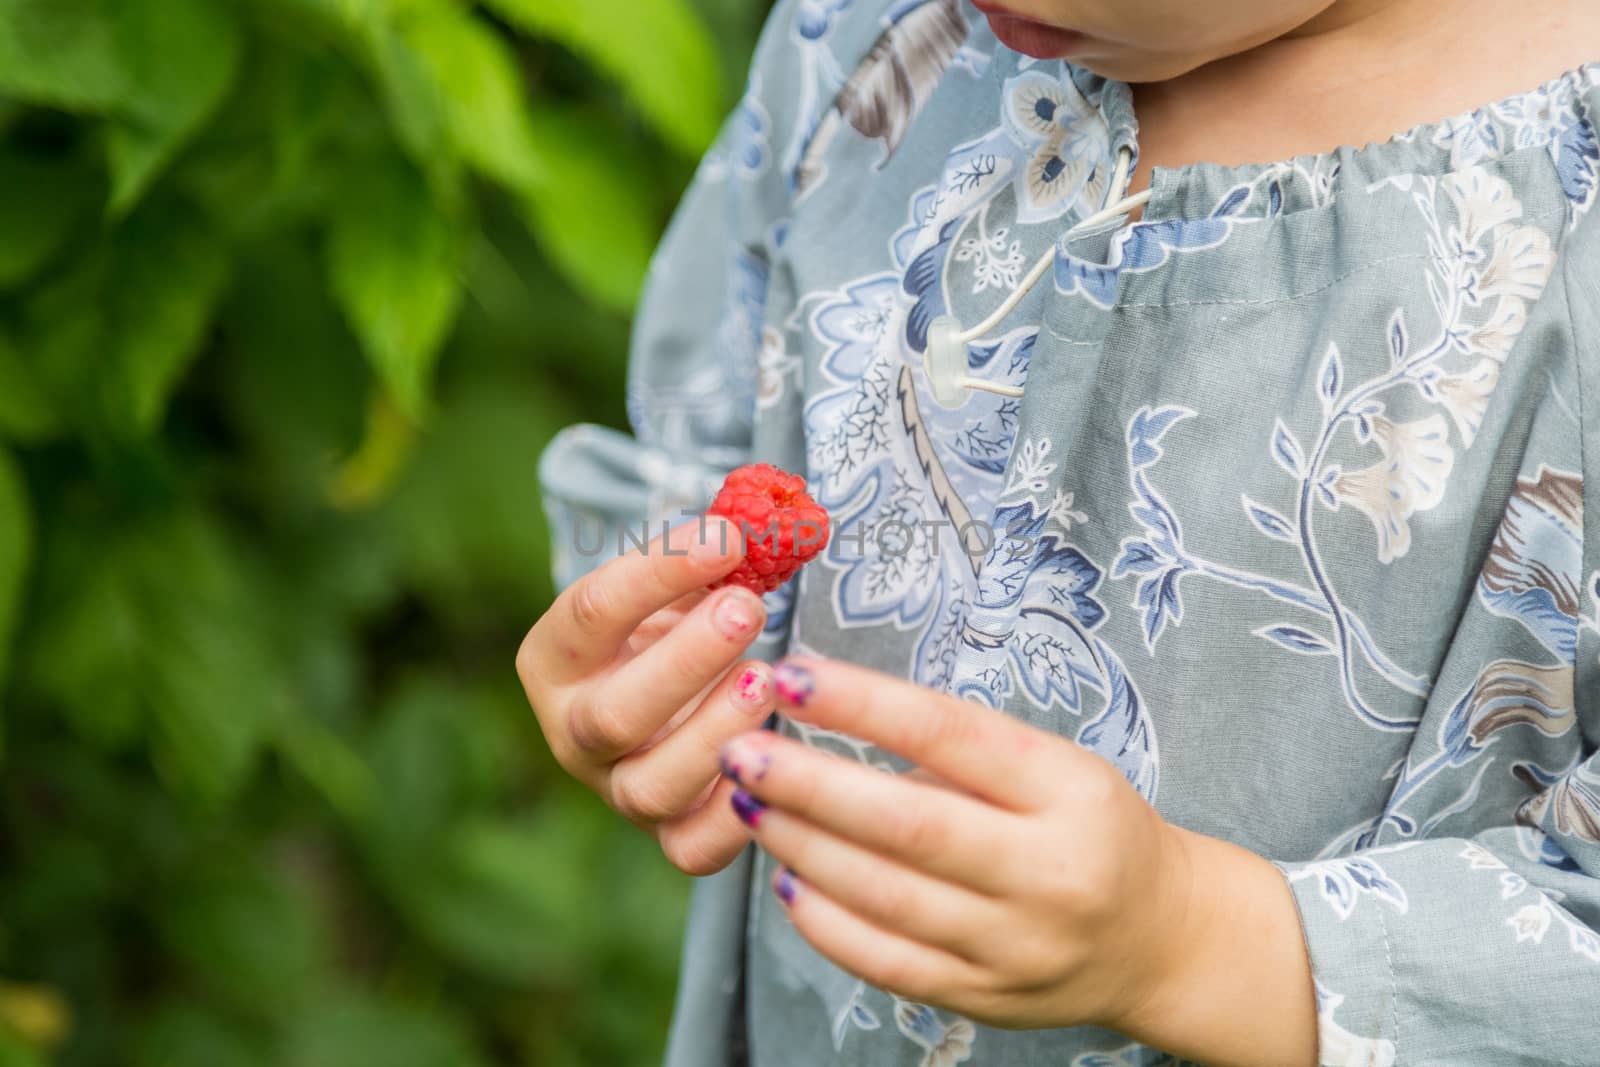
(292, 294)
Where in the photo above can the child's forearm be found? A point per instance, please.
(1239, 990)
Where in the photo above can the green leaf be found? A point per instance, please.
(16, 552)
(62, 53)
(16, 1052)
(269, 159)
(359, 1029)
(501, 898)
(182, 1033)
(247, 936)
(149, 628)
(589, 212)
(660, 52)
(281, 330)
(181, 56)
(478, 89)
(110, 339)
(466, 542)
(330, 765)
(394, 264)
(44, 198)
(26, 413)
(167, 276)
(419, 754)
(413, 101)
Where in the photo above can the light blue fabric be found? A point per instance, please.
(1289, 525)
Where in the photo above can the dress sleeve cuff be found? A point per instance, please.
(1352, 964)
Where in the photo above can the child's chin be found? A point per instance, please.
(1134, 67)
(1035, 38)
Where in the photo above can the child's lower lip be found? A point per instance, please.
(1035, 38)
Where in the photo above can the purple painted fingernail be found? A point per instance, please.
(748, 808)
(794, 683)
(786, 885)
(744, 763)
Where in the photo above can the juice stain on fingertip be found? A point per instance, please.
(754, 687)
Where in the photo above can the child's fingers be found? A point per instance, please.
(883, 959)
(700, 648)
(619, 713)
(973, 747)
(707, 839)
(893, 897)
(664, 621)
(589, 622)
(929, 827)
(662, 781)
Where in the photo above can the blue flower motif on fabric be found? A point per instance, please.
(1157, 558)
(1485, 269)
(896, 468)
(814, 18)
(892, 467)
(1146, 246)
(1034, 620)
(739, 335)
(1344, 882)
(749, 152)
(1577, 155)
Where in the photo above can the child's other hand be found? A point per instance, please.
(1019, 880)
(633, 674)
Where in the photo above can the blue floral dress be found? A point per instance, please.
(1289, 523)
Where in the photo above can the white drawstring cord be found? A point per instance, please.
(945, 358)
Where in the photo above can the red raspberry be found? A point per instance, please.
(783, 528)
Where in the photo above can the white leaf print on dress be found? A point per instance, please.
(1484, 269)
(1031, 474)
(1530, 923)
(946, 1044)
(1339, 1047)
(1533, 921)
(1411, 477)
(775, 366)
(1523, 260)
(1465, 396)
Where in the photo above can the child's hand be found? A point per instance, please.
(1019, 880)
(629, 675)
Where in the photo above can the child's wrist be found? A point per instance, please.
(1225, 947)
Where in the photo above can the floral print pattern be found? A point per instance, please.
(1289, 525)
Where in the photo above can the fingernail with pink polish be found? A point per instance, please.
(754, 687)
(743, 763)
(737, 616)
(794, 683)
(786, 885)
(748, 808)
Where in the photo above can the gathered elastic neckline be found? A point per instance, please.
(1313, 180)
